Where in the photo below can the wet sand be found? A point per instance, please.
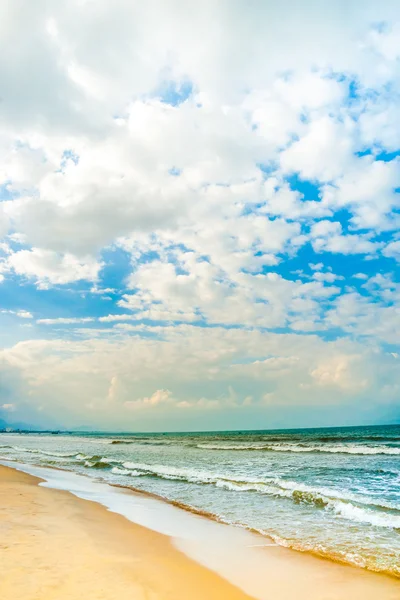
(54, 545)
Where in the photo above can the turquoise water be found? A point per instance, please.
(335, 492)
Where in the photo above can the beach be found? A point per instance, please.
(57, 545)
(200, 300)
(332, 493)
(54, 545)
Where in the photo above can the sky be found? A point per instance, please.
(199, 213)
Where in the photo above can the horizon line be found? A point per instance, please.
(105, 432)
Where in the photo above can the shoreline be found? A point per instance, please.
(240, 558)
(55, 546)
(271, 541)
(268, 538)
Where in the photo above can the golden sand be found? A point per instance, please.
(54, 546)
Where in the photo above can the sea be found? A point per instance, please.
(334, 492)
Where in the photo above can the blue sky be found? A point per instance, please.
(201, 235)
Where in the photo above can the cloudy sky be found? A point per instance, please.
(199, 213)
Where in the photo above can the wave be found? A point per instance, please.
(255, 441)
(371, 513)
(352, 507)
(359, 438)
(386, 564)
(101, 462)
(46, 452)
(142, 442)
(364, 515)
(354, 449)
(96, 464)
(119, 471)
(357, 508)
(389, 567)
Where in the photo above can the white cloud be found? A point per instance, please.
(339, 373)
(327, 276)
(368, 188)
(322, 153)
(362, 316)
(22, 314)
(392, 250)
(47, 267)
(65, 321)
(203, 291)
(282, 200)
(207, 369)
(159, 397)
(4, 223)
(316, 266)
(218, 171)
(112, 318)
(327, 236)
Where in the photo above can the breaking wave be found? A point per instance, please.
(339, 449)
(45, 452)
(113, 442)
(356, 508)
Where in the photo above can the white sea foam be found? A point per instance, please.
(354, 507)
(364, 515)
(191, 533)
(337, 497)
(118, 471)
(333, 449)
(45, 452)
(339, 503)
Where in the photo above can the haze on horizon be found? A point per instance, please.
(199, 214)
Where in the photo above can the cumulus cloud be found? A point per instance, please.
(369, 189)
(213, 369)
(322, 153)
(159, 397)
(392, 250)
(47, 267)
(338, 373)
(222, 179)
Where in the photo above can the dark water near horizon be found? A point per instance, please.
(332, 491)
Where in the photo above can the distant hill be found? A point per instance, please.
(19, 425)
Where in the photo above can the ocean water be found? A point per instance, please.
(333, 492)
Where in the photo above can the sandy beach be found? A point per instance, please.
(57, 546)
